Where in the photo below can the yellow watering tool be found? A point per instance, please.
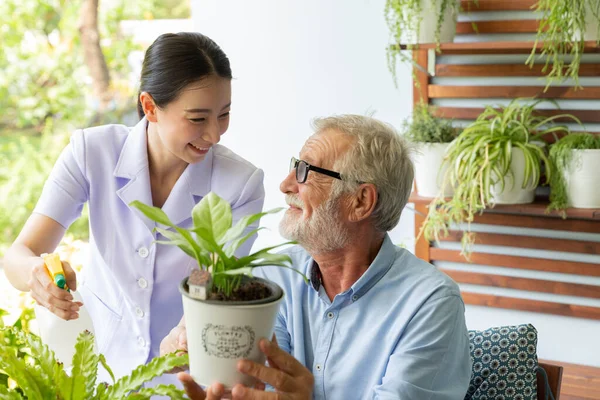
(54, 267)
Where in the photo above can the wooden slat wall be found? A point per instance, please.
(529, 216)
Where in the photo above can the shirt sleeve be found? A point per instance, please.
(431, 360)
(251, 201)
(66, 190)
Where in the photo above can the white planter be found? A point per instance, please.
(591, 23)
(221, 333)
(513, 192)
(430, 169)
(581, 178)
(428, 22)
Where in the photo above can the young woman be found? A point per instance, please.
(170, 159)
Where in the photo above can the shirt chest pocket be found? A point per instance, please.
(106, 312)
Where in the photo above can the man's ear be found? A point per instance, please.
(363, 202)
(148, 106)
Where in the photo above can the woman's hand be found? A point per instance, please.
(195, 392)
(175, 342)
(45, 292)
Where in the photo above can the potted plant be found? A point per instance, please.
(418, 21)
(228, 310)
(495, 160)
(565, 26)
(574, 182)
(29, 370)
(432, 136)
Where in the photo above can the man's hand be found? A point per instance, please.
(195, 392)
(175, 342)
(291, 380)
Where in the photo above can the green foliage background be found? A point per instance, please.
(45, 91)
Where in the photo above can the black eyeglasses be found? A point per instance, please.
(302, 168)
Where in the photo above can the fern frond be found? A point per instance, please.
(158, 390)
(7, 394)
(85, 367)
(145, 373)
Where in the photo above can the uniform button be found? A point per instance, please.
(330, 315)
(142, 283)
(143, 252)
(139, 312)
(141, 341)
(318, 367)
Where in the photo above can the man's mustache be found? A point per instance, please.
(294, 201)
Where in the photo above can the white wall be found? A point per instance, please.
(297, 60)
(293, 61)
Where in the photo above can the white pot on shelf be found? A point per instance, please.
(430, 169)
(581, 179)
(428, 22)
(221, 333)
(513, 191)
(591, 23)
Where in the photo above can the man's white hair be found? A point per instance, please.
(379, 155)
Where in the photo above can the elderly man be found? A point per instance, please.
(375, 322)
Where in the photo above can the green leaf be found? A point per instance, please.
(213, 215)
(102, 360)
(238, 229)
(145, 373)
(153, 213)
(177, 239)
(85, 367)
(159, 390)
(7, 394)
(233, 246)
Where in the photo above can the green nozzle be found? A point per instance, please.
(60, 280)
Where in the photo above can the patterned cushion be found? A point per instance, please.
(504, 363)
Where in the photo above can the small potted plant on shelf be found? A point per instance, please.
(412, 22)
(226, 309)
(565, 26)
(574, 182)
(495, 160)
(29, 370)
(432, 136)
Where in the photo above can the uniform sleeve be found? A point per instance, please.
(67, 189)
(250, 202)
(431, 360)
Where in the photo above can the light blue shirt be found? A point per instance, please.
(131, 285)
(398, 333)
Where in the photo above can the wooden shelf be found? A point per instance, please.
(537, 208)
(492, 47)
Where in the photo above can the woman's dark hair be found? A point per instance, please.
(174, 61)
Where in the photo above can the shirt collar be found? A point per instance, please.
(378, 268)
(134, 159)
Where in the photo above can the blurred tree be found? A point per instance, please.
(63, 65)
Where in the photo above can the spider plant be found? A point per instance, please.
(404, 19)
(561, 155)
(480, 159)
(561, 33)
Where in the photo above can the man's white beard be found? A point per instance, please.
(322, 232)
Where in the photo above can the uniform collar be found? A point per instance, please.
(378, 268)
(194, 183)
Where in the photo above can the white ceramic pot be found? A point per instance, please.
(591, 23)
(221, 333)
(428, 22)
(581, 178)
(430, 169)
(513, 192)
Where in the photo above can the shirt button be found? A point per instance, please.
(143, 252)
(139, 312)
(141, 341)
(354, 298)
(142, 283)
(318, 367)
(330, 315)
